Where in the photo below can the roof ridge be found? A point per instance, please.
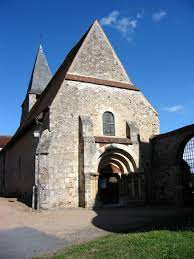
(65, 65)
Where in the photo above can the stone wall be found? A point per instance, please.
(75, 99)
(65, 162)
(17, 167)
(27, 105)
(2, 172)
(168, 173)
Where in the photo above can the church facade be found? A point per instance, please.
(84, 136)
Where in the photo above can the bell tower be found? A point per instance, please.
(40, 77)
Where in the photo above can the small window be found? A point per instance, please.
(128, 133)
(108, 124)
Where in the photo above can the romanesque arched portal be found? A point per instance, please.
(119, 182)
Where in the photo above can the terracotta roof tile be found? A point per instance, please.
(4, 140)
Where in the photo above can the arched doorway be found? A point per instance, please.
(119, 181)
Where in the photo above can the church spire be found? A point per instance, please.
(41, 74)
(40, 77)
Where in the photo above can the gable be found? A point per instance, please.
(96, 62)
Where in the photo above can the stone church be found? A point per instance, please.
(84, 135)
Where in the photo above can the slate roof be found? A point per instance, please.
(49, 93)
(41, 74)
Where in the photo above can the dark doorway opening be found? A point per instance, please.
(109, 186)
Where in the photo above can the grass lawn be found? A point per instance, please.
(153, 244)
(171, 241)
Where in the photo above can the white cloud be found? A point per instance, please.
(158, 16)
(175, 108)
(140, 14)
(110, 19)
(125, 25)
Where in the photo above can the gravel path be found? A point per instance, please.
(24, 234)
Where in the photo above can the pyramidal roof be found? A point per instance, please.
(41, 74)
(94, 60)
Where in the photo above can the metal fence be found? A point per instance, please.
(188, 154)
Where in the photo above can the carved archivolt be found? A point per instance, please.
(119, 158)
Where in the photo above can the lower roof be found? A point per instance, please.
(4, 140)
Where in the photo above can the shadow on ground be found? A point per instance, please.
(123, 220)
(26, 243)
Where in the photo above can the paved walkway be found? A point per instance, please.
(24, 234)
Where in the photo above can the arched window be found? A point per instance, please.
(188, 154)
(108, 124)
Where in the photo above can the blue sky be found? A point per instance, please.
(153, 39)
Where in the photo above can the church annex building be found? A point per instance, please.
(88, 137)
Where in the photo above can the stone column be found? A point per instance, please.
(87, 150)
(42, 171)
